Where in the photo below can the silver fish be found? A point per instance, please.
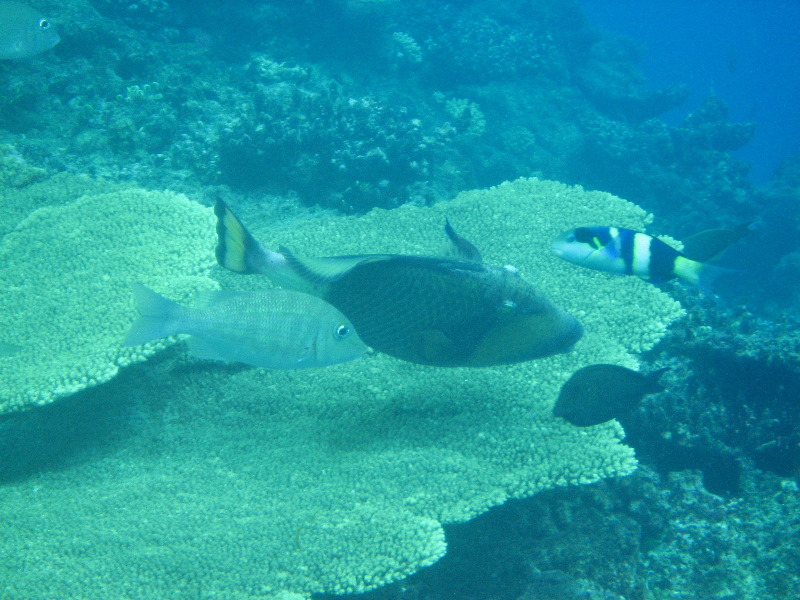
(24, 31)
(278, 329)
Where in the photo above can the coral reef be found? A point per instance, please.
(731, 397)
(713, 547)
(282, 106)
(180, 480)
(252, 482)
(301, 133)
(65, 277)
(644, 537)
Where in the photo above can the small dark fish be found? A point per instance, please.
(627, 252)
(423, 309)
(599, 393)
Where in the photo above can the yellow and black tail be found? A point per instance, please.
(237, 250)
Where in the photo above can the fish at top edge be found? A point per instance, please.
(24, 32)
(423, 309)
(628, 252)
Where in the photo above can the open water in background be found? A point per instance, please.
(747, 52)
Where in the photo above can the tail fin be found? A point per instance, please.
(160, 317)
(703, 275)
(240, 252)
(712, 243)
(237, 250)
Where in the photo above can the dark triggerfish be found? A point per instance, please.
(423, 309)
(599, 393)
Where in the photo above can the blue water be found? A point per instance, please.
(746, 52)
(188, 479)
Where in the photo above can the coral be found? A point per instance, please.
(735, 549)
(15, 172)
(182, 96)
(406, 48)
(486, 41)
(730, 397)
(352, 152)
(64, 285)
(24, 188)
(250, 483)
(686, 169)
(466, 115)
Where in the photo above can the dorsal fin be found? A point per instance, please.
(321, 271)
(710, 244)
(460, 247)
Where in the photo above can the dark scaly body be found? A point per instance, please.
(423, 309)
(441, 312)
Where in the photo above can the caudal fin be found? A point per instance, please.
(240, 252)
(703, 275)
(160, 317)
(237, 250)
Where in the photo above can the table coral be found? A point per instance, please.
(257, 484)
(64, 286)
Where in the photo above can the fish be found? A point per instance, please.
(277, 329)
(712, 243)
(601, 392)
(24, 32)
(8, 349)
(628, 252)
(429, 310)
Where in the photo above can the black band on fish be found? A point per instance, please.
(626, 241)
(662, 261)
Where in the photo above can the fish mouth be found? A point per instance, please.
(570, 252)
(564, 342)
(572, 337)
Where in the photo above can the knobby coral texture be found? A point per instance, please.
(250, 483)
(66, 273)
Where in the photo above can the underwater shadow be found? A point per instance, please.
(62, 434)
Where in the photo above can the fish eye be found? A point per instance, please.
(342, 331)
(44, 24)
